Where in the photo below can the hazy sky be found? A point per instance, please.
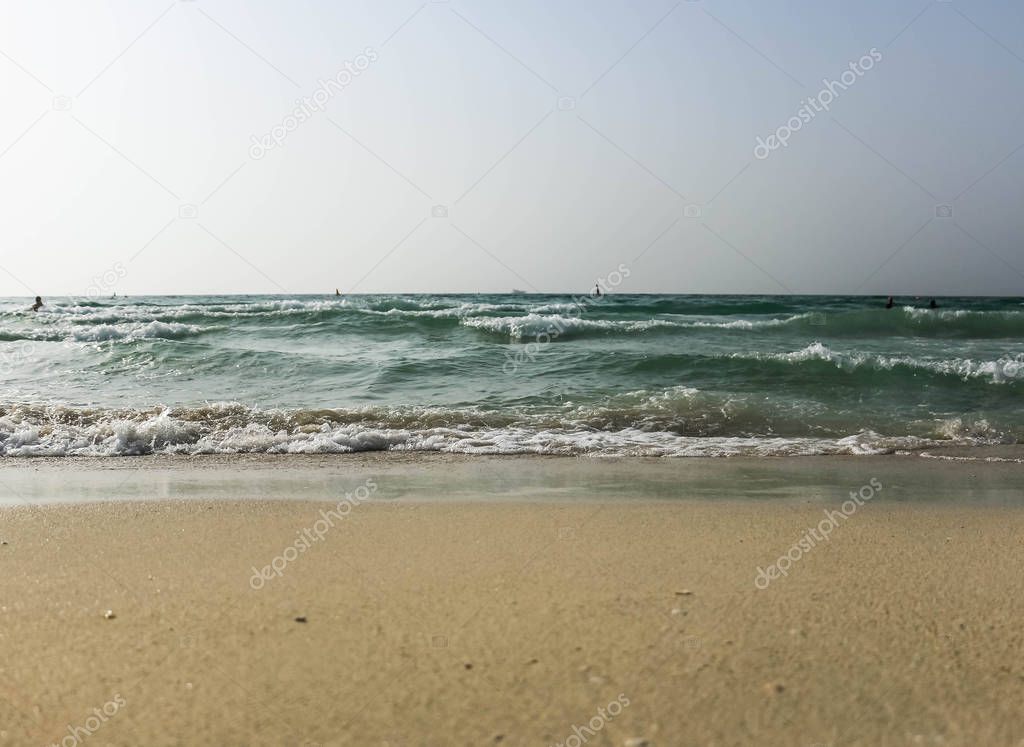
(490, 145)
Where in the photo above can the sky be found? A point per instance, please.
(154, 147)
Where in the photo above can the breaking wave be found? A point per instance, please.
(675, 423)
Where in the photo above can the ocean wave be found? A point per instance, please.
(519, 318)
(1000, 371)
(137, 331)
(285, 311)
(230, 428)
(120, 331)
(534, 326)
(912, 322)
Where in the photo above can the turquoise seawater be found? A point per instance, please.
(620, 375)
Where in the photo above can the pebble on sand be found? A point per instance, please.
(109, 614)
(300, 619)
(637, 742)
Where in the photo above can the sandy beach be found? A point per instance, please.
(546, 602)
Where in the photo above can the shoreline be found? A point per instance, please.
(1008, 452)
(951, 475)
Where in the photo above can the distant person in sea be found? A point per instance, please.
(337, 291)
(890, 303)
(597, 291)
(932, 304)
(38, 304)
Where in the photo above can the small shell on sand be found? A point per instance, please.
(109, 614)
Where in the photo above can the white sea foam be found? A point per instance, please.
(991, 459)
(223, 430)
(697, 322)
(997, 371)
(134, 331)
(531, 326)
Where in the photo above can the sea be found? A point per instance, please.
(615, 376)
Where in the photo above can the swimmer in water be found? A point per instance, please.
(38, 304)
(890, 303)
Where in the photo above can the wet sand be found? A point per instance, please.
(511, 601)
